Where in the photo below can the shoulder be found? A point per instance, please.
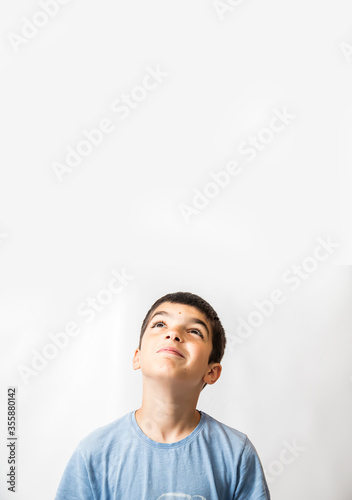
(224, 432)
(105, 438)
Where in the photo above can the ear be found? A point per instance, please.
(213, 374)
(135, 362)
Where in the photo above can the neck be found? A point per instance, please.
(165, 418)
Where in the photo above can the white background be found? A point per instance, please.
(290, 379)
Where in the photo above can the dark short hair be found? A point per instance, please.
(190, 299)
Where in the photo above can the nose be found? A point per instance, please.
(174, 334)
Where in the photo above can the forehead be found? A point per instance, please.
(181, 311)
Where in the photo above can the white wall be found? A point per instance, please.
(287, 381)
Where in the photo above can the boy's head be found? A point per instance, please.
(217, 333)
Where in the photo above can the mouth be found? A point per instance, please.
(171, 350)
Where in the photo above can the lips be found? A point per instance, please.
(171, 349)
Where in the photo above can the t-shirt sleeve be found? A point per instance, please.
(251, 484)
(75, 483)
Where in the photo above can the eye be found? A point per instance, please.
(155, 325)
(198, 331)
(158, 323)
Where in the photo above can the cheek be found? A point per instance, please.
(198, 352)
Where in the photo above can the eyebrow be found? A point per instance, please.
(193, 320)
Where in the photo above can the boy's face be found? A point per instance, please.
(184, 328)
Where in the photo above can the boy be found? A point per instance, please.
(167, 449)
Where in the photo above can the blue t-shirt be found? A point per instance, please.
(119, 461)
